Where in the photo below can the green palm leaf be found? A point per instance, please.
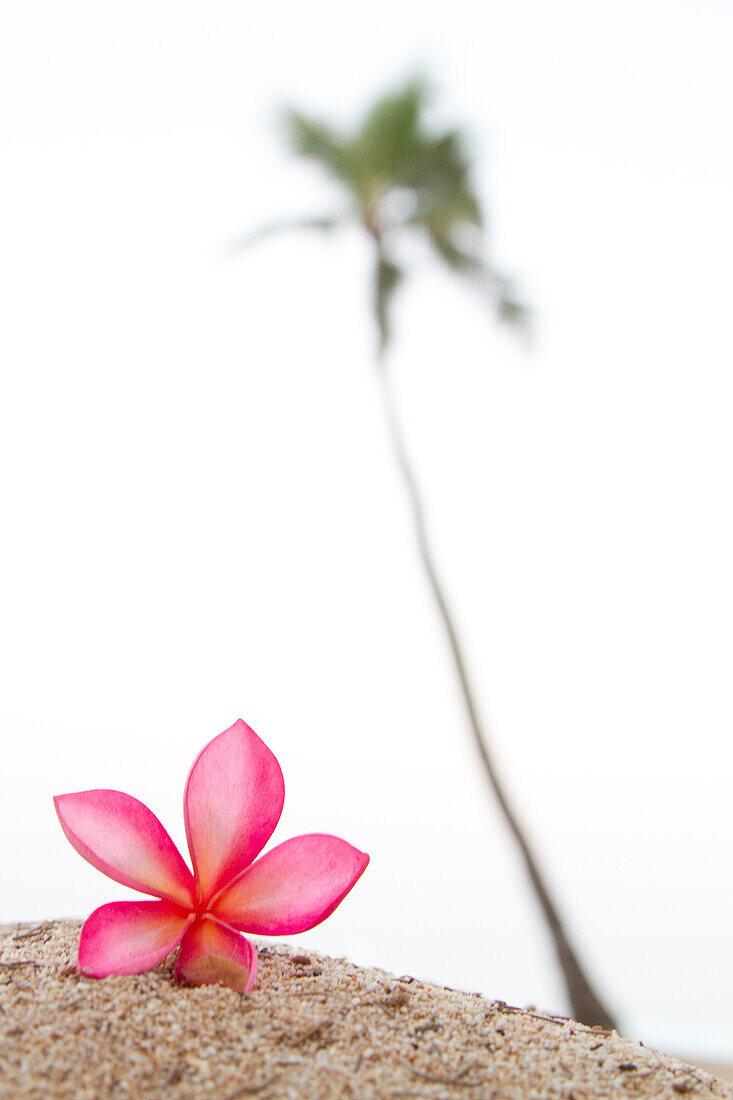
(402, 178)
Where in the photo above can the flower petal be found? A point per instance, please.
(211, 952)
(121, 837)
(127, 937)
(293, 887)
(233, 801)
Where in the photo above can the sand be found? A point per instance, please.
(312, 1027)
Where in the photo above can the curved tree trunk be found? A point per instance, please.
(586, 1005)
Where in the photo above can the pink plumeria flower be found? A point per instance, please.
(232, 802)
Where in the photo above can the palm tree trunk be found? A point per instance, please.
(586, 1005)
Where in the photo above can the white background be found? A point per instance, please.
(201, 520)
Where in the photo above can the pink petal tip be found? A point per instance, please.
(121, 837)
(128, 937)
(292, 887)
(232, 803)
(213, 953)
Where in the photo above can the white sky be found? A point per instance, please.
(201, 519)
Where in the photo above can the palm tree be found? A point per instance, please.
(400, 179)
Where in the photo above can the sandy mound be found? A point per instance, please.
(312, 1027)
